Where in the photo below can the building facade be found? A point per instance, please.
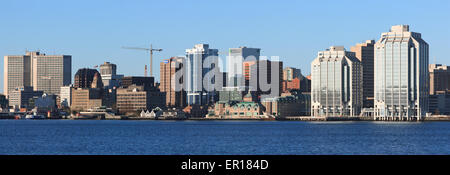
(439, 103)
(263, 75)
(84, 77)
(290, 73)
(43, 72)
(291, 85)
(439, 78)
(290, 105)
(4, 103)
(336, 83)
(401, 74)
(110, 78)
(175, 97)
(365, 53)
(84, 99)
(146, 82)
(66, 96)
(134, 99)
(22, 97)
(235, 60)
(246, 108)
(200, 60)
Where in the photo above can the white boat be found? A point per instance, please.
(34, 117)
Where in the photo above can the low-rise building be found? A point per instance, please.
(288, 105)
(22, 97)
(133, 99)
(4, 104)
(246, 108)
(84, 99)
(439, 103)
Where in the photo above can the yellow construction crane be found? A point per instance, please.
(151, 49)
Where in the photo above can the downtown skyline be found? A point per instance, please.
(295, 34)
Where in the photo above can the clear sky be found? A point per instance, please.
(94, 31)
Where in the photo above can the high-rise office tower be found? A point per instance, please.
(365, 53)
(16, 72)
(84, 78)
(175, 97)
(199, 61)
(43, 72)
(259, 78)
(110, 79)
(439, 78)
(401, 74)
(336, 83)
(50, 72)
(235, 61)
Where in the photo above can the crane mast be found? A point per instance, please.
(151, 49)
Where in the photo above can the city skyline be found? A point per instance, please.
(280, 32)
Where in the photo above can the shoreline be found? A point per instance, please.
(304, 119)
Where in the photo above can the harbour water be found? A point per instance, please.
(86, 137)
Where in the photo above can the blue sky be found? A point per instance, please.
(94, 31)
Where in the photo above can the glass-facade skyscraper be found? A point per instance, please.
(401, 74)
(237, 57)
(336, 84)
(199, 61)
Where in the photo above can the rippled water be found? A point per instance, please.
(222, 137)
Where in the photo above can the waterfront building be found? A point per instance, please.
(439, 78)
(401, 75)
(43, 72)
(88, 92)
(45, 103)
(195, 111)
(110, 78)
(235, 61)
(134, 98)
(365, 54)
(336, 83)
(84, 99)
(175, 97)
(199, 61)
(110, 98)
(66, 96)
(289, 104)
(4, 104)
(22, 97)
(246, 108)
(439, 103)
(157, 113)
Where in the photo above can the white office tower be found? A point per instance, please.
(336, 84)
(110, 78)
(199, 61)
(401, 75)
(235, 61)
(66, 95)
